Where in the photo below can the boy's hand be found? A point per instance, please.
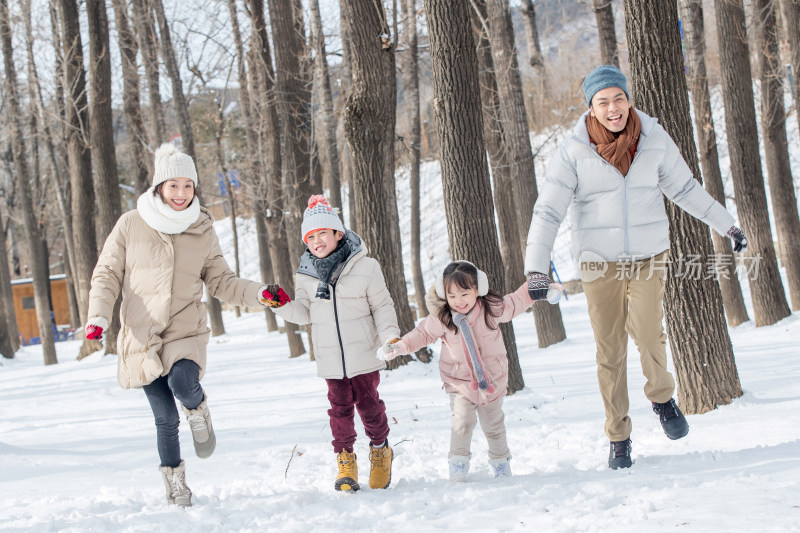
(739, 240)
(274, 296)
(538, 284)
(394, 347)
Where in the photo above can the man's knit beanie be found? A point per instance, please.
(319, 215)
(170, 163)
(603, 77)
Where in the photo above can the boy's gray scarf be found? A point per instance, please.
(479, 379)
(326, 266)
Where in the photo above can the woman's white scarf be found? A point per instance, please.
(162, 217)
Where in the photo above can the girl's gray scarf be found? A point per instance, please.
(480, 379)
(326, 266)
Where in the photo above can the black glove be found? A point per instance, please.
(739, 240)
(538, 284)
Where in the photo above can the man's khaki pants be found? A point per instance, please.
(628, 300)
(463, 422)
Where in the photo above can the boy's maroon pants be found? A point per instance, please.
(360, 392)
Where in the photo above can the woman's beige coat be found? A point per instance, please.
(161, 277)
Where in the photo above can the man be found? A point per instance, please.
(614, 169)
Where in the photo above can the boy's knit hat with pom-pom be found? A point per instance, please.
(170, 163)
(319, 215)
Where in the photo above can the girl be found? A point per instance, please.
(466, 315)
(159, 256)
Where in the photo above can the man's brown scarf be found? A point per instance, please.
(616, 149)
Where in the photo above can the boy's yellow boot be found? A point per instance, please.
(380, 466)
(348, 471)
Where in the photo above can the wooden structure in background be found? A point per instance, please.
(28, 326)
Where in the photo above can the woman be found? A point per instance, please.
(159, 256)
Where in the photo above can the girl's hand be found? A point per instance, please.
(554, 293)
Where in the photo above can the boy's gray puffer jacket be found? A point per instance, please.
(348, 329)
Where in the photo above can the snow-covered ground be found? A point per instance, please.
(77, 453)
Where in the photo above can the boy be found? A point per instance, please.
(342, 293)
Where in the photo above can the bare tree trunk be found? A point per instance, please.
(145, 32)
(213, 305)
(168, 56)
(791, 17)
(39, 119)
(327, 137)
(549, 325)
(60, 163)
(769, 300)
(691, 15)
(219, 133)
(293, 99)
(80, 163)
(294, 112)
(259, 185)
(532, 34)
(74, 314)
(369, 126)
(10, 312)
(264, 110)
(465, 176)
(495, 146)
(698, 338)
(41, 277)
(264, 260)
(131, 105)
(773, 132)
(104, 159)
(411, 92)
(535, 59)
(512, 111)
(604, 13)
(9, 332)
(347, 85)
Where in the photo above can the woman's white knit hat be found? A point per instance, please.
(170, 163)
(319, 215)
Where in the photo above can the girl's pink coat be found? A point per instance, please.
(453, 367)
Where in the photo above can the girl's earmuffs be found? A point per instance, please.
(483, 282)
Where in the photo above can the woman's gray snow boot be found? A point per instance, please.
(202, 431)
(175, 484)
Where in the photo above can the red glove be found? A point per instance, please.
(94, 332)
(275, 296)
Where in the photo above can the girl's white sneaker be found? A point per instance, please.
(459, 467)
(500, 467)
